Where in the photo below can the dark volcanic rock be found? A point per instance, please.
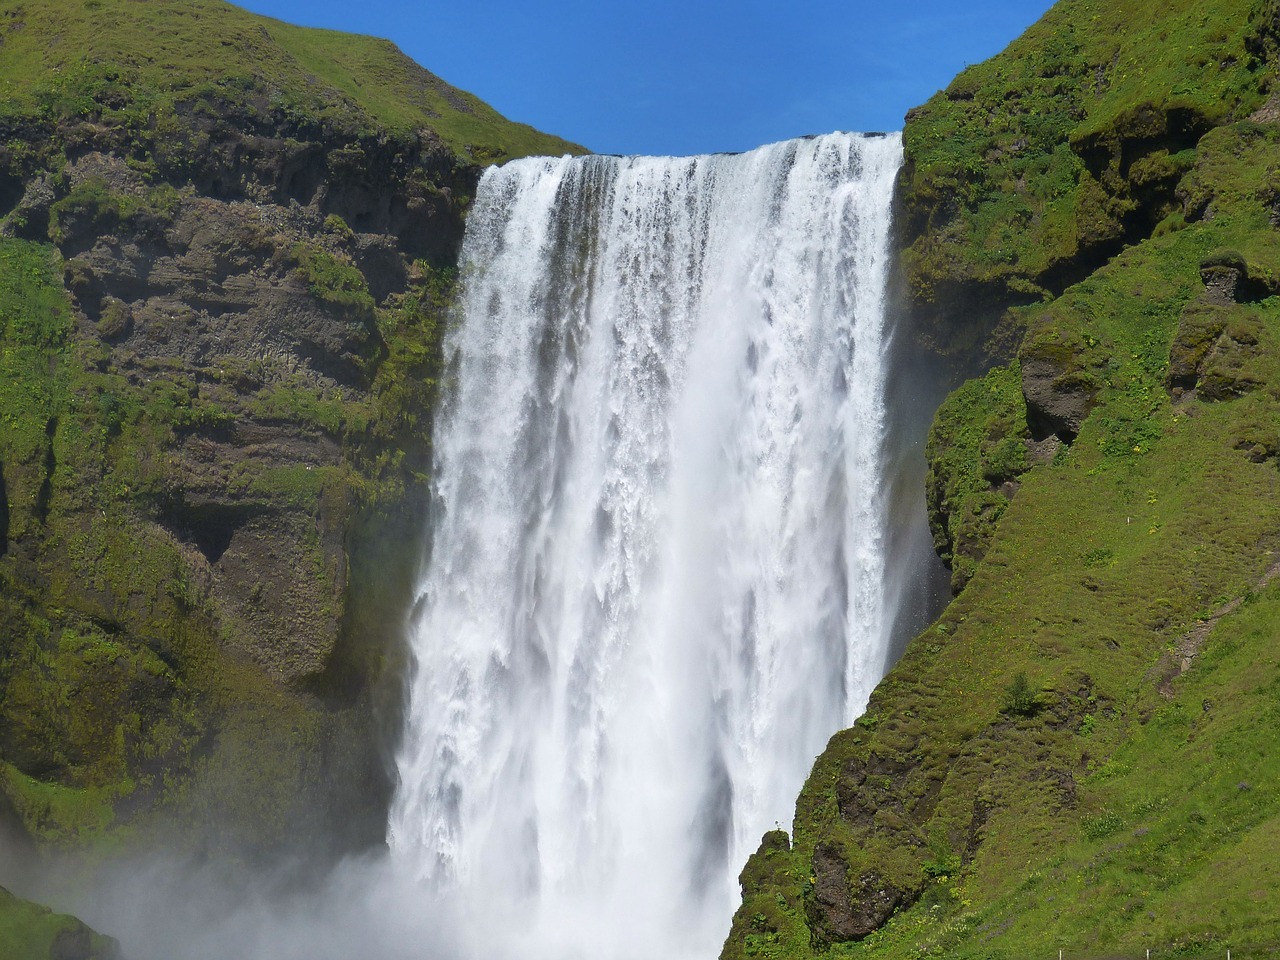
(840, 911)
(1058, 397)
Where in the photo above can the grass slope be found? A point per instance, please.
(32, 932)
(144, 62)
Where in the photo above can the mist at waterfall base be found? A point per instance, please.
(678, 534)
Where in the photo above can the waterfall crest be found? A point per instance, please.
(656, 580)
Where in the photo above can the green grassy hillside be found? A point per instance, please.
(1033, 168)
(145, 64)
(32, 932)
(1080, 753)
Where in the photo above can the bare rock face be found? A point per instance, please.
(276, 573)
(207, 282)
(1223, 279)
(841, 911)
(1058, 396)
(833, 910)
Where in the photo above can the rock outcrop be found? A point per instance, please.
(1218, 341)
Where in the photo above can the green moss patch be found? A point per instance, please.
(32, 932)
(977, 445)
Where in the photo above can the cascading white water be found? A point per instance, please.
(656, 581)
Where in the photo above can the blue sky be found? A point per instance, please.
(686, 76)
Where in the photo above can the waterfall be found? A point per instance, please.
(657, 578)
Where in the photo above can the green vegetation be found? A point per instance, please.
(76, 695)
(404, 394)
(334, 280)
(35, 322)
(1102, 563)
(1019, 699)
(1032, 168)
(1079, 753)
(976, 446)
(31, 932)
(148, 68)
(96, 208)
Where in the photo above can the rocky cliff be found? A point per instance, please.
(226, 244)
(1079, 753)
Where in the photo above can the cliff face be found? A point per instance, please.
(225, 249)
(1079, 752)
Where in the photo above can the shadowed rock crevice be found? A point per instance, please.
(209, 526)
(11, 189)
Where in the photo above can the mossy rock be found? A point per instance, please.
(976, 451)
(1225, 259)
(32, 932)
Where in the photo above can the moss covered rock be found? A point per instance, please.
(32, 932)
(1032, 169)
